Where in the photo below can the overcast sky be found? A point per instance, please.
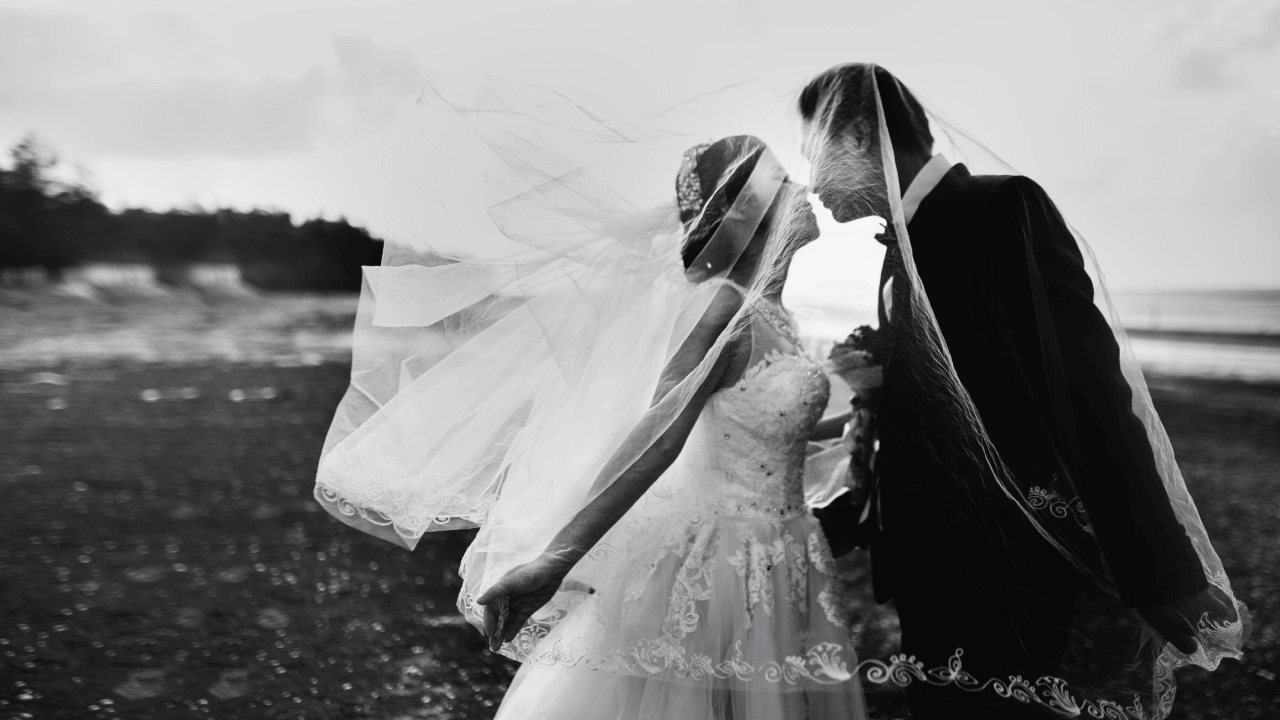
(1154, 124)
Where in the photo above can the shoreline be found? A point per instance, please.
(92, 363)
(1206, 337)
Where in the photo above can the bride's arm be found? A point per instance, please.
(532, 585)
(830, 428)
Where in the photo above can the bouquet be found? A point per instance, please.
(859, 361)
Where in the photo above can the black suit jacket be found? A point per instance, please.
(1048, 387)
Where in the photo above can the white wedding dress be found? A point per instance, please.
(729, 611)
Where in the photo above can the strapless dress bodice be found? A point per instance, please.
(759, 432)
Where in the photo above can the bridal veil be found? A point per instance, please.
(490, 389)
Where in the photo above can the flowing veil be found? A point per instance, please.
(505, 387)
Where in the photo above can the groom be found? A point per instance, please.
(1015, 330)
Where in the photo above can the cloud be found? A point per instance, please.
(81, 83)
(1219, 44)
(374, 81)
(1210, 122)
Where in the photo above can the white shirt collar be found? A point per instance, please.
(922, 184)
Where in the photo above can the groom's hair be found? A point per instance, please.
(904, 116)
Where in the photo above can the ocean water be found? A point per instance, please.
(1246, 312)
(1218, 334)
(1190, 334)
(1213, 334)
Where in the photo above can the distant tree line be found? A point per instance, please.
(56, 224)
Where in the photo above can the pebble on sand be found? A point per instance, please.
(169, 394)
(265, 394)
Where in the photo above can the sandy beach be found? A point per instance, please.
(162, 557)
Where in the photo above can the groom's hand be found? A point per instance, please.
(1176, 620)
(860, 441)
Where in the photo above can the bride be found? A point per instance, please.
(631, 440)
(745, 581)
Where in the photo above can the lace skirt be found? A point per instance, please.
(722, 617)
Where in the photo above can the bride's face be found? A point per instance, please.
(806, 229)
(790, 222)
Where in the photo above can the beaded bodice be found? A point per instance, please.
(759, 431)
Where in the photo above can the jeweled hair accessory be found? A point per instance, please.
(688, 187)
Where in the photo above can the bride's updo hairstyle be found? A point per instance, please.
(710, 179)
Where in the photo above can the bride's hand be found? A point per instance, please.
(524, 590)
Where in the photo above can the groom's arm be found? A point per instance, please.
(1145, 545)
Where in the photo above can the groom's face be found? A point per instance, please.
(836, 155)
